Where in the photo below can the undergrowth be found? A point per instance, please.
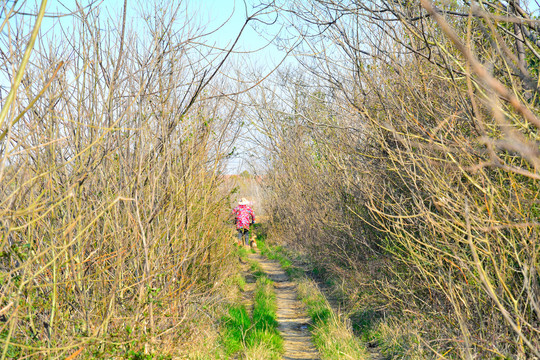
(255, 336)
(394, 335)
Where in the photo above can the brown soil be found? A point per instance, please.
(291, 314)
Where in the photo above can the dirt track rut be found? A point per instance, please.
(291, 315)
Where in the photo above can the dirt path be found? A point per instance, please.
(291, 315)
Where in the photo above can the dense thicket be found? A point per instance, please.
(404, 155)
(113, 233)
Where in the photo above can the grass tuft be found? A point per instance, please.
(332, 334)
(256, 336)
(265, 319)
(234, 329)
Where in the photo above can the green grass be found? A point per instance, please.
(242, 252)
(254, 336)
(241, 333)
(256, 269)
(332, 335)
(264, 318)
(239, 281)
(234, 329)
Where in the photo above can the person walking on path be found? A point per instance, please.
(243, 218)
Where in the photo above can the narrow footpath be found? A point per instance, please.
(291, 315)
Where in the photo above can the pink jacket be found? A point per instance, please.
(243, 216)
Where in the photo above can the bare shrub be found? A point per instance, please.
(424, 149)
(114, 235)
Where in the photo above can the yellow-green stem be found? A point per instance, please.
(26, 58)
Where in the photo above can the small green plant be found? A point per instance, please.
(12, 351)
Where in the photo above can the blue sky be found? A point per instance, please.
(214, 13)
